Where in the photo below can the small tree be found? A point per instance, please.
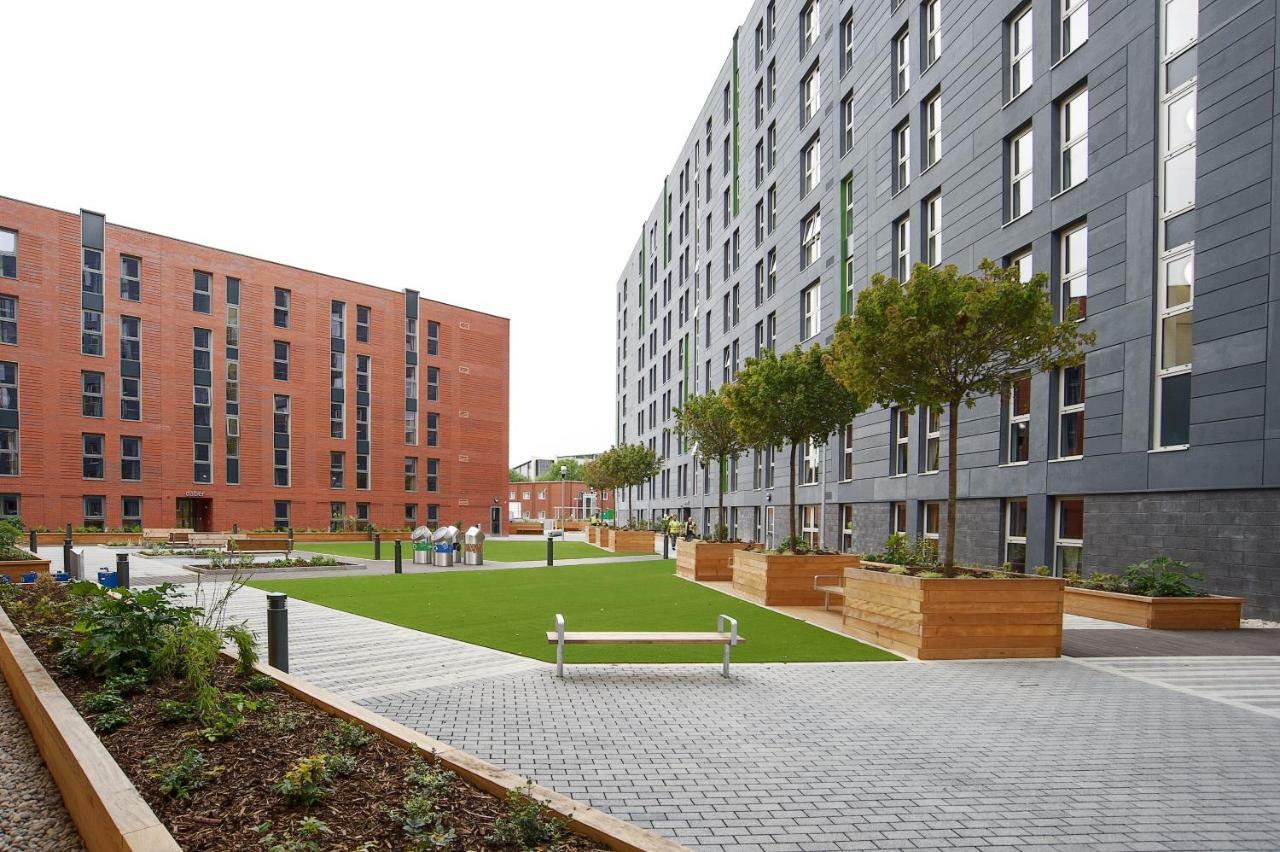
(791, 398)
(514, 475)
(598, 476)
(552, 474)
(707, 421)
(943, 339)
(627, 465)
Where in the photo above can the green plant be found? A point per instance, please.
(103, 701)
(171, 710)
(345, 736)
(900, 550)
(1161, 577)
(221, 725)
(305, 836)
(284, 722)
(424, 823)
(307, 781)
(122, 633)
(427, 776)
(110, 721)
(127, 684)
(341, 763)
(526, 823)
(1042, 571)
(259, 683)
(706, 422)
(180, 779)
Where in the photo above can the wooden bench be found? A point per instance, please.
(218, 540)
(259, 545)
(560, 638)
(822, 583)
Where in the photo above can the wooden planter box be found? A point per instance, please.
(331, 536)
(706, 560)
(628, 541)
(784, 579)
(525, 528)
(54, 539)
(943, 618)
(14, 569)
(572, 526)
(1214, 612)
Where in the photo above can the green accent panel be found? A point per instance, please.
(845, 189)
(684, 396)
(735, 122)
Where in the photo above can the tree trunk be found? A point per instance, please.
(791, 510)
(720, 504)
(953, 434)
(630, 507)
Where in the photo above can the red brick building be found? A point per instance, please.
(149, 381)
(548, 499)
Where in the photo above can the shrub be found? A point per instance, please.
(307, 782)
(122, 634)
(179, 780)
(424, 824)
(526, 823)
(108, 722)
(284, 722)
(345, 736)
(260, 683)
(171, 710)
(102, 701)
(127, 684)
(1161, 577)
(341, 764)
(428, 777)
(221, 725)
(900, 550)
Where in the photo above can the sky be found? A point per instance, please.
(501, 155)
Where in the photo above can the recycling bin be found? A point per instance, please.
(473, 547)
(421, 538)
(108, 579)
(442, 541)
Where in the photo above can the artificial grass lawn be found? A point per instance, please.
(513, 609)
(494, 551)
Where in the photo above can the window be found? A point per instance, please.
(897, 518)
(846, 453)
(1019, 413)
(433, 338)
(201, 286)
(92, 460)
(1073, 133)
(771, 277)
(759, 221)
(9, 452)
(810, 311)
(901, 156)
(932, 440)
(771, 152)
(735, 302)
(846, 44)
(811, 525)
(1022, 262)
(337, 469)
(933, 229)
(130, 458)
(1015, 534)
(433, 384)
(131, 512)
(902, 249)
(1179, 166)
(809, 22)
(91, 271)
(900, 427)
(95, 508)
(771, 81)
(931, 23)
(433, 429)
(411, 515)
(771, 331)
(811, 166)
(337, 515)
(932, 522)
(810, 93)
(130, 278)
(130, 342)
(1071, 411)
(433, 514)
(759, 102)
(130, 398)
(90, 332)
(281, 315)
(433, 475)
(280, 364)
(410, 473)
(1019, 154)
(901, 63)
(91, 394)
(1073, 248)
(846, 124)
(1075, 25)
(771, 21)
(280, 430)
(8, 320)
(1069, 537)
(362, 323)
(932, 115)
(281, 518)
(1019, 37)
(1175, 297)
(771, 203)
(810, 238)
(8, 386)
(8, 253)
(846, 528)
(338, 320)
(759, 43)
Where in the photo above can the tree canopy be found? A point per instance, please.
(553, 473)
(707, 421)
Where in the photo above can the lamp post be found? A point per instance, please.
(564, 485)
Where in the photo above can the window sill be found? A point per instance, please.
(1063, 192)
(1017, 218)
(897, 476)
(1066, 459)
(928, 473)
(1175, 448)
(1015, 464)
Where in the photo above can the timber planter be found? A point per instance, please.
(786, 579)
(948, 618)
(706, 560)
(524, 528)
(130, 539)
(1208, 612)
(15, 569)
(628, 541)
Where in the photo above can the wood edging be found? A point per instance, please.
(1173, 601)
(108, 811)
(581, 819)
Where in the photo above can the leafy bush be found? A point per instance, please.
(307, 782)
(127, 684)
(284, 722)
(171, 710)
(900, 550)
(259, 683)
(341, 763)
(424, 823)
(305, 837)
(110, 721)
(123, 633)
(1160, 577)
(345, 736)
(102, 701)
(428, 777)
(191, 772)
(526, 823)
(221, 725)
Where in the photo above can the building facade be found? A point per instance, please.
(533, 468)
(1122, 147)
(556, 499)
(150, 382)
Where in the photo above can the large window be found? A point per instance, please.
(362, 323)
(433, 475)
(280, 315)
(931, 23)
(8, 320)
(932, 114)
(901, 156)
(201, 287)
(91, 394)
(8, 253)
(810, 95)
(1073, 139)
(1068, 537)
(810, 311)
(280, 430)
(130, 458)
(1071, 411)
(1019, 46)
(846, 452)
(933, 229)
(846, 124)
(846, 43)
(1015, 534)
(280, 361)
(433, 337)
(281, 515)
(131, 512)
(810, 238)
(846, 528)
(932, 522)
(90, 332)
(337, 469)
(8, 386)
(95, 512)
(130, 278)
(92, 459)
(809, 23)
(1073, 251)
(1019, 155)
(901, 63)
(811, 526)
(898, 518)
(1176, 291)
(433, 384)
(1018, 401)
(1075, 25)
(901, 436)
(410, 473)
(9, 452)
(932, 439)
(902, 249)
(811, 166)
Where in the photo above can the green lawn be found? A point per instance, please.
(513, 609)
(494, 551)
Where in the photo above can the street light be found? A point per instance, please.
(564, 485)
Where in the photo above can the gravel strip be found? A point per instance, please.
(32, 817)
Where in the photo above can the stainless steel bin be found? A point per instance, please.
(421, 546)
(442, 541)
(473, 547)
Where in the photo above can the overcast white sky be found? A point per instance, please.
(498, 155)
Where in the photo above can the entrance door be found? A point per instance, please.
(495, 520)
(195, 513)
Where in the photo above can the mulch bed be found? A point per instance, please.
(229, 810)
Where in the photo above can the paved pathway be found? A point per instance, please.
(1252, 683)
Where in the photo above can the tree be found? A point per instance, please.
(598, 474)
(629, 465)
(553, 473)
(790, 398)
(943, 339)
(707, 421)
(514, 475)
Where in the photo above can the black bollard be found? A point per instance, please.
(666, 543)
(66, 560)
(122, 570)
(551, 556)
(278, 630)
(377, 545)
(35, 541)
(399, 563)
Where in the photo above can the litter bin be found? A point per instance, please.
(421, 546)
(442, 541)
(473, 547)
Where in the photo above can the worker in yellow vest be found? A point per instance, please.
(673, 530)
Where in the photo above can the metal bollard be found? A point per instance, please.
(122, 570)
(666, 543)
(35, 541)
(399, 563)
(278, 630)
(551, 556)
(377, 545)
(290, 540)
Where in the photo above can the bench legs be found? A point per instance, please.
(733, 639)
(559, 645)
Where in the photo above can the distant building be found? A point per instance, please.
(556, 499)
(534, 468)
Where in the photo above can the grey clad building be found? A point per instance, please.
(1123, 147)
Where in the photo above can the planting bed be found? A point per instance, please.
(229, 796)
